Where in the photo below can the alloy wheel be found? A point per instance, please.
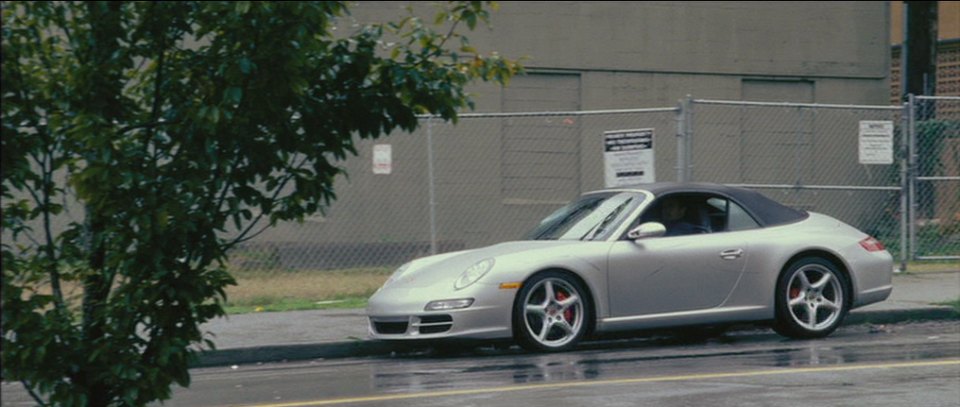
(553, 312)
(814, 297)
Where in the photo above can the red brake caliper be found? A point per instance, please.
(568, 313)
(794, 292)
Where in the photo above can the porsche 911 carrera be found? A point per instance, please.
(661, 255)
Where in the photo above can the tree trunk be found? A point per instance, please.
(96, 290)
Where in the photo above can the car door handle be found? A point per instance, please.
(731, 254)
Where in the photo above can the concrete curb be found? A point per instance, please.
(931, 313)
(366, 348)
(275, 353)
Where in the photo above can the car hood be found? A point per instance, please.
(445, 268)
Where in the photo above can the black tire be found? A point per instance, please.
(812, 298)
(553, 325)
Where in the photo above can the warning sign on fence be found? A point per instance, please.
(876, 142)
(382, 159)
(628, 157)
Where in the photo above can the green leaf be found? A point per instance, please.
(471, 19)
(233, 95)
(246, 66)
(242, 7)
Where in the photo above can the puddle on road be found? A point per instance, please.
(655, 356)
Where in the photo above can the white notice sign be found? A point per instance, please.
(628, 157)
(876, 142)
(382, 159)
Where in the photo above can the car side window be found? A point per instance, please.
(726, 216)
(739, 219)
(717, 210)
(696, 213)
(680, 214)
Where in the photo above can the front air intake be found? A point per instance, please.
(434, 324)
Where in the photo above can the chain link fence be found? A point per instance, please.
(488, 178)
(807, 156)
(935, 178)
(491, 177)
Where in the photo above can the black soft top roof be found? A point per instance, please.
(766, 211)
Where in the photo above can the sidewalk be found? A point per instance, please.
(258, 337)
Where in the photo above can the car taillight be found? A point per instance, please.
(871, 244)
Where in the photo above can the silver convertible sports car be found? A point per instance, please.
(652, 256)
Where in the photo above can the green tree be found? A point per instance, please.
(182, 128)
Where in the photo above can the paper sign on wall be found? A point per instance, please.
(382, 159)
(628, 157)
(876, 142)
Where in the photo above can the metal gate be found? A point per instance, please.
(934, 177)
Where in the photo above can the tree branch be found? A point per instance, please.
(276, 193)
(153, 192)
(30, 237)
(62, 23)
(50, 249)
(148, 125)
(43, 202)
(239, 240)
(34, 395)
(450, 32)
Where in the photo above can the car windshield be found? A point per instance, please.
(592, 217)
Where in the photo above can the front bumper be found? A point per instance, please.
(398, 314)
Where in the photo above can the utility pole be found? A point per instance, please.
(919, 51)
(918, 57)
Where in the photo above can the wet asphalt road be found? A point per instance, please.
(914, 364)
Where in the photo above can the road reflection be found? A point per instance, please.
(437, 371)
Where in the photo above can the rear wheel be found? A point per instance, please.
(551, 312)
(811, 299)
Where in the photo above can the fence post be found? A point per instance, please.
(904, 183)
(684, 133)
(912, 174)
(432, 192)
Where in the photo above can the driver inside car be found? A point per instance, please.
(674, 215)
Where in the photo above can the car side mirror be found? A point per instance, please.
(648, 229)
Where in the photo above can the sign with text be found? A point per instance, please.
(382, 159)
(876, 142)
(628, 157)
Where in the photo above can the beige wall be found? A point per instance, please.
(948, 21)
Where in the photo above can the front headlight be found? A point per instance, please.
(473, 273)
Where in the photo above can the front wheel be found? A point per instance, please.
(551, 313)
(811, 299)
